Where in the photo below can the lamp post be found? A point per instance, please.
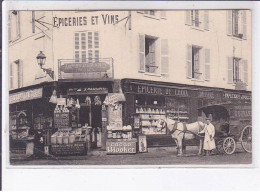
(41, 58)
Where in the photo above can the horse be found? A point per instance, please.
(181, 131)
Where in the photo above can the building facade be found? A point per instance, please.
(175, 61)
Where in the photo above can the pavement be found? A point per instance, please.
(154, 156)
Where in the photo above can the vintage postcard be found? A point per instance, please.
(129, 87)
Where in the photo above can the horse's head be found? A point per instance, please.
(161, 124)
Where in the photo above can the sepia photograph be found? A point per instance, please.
(130, 87)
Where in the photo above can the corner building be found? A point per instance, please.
(164, 63)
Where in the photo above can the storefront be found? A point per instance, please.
(147, 102)
(30, 118)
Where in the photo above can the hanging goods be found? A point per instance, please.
(77, 104)
(88, 101)
(53, 98)
(97, 100)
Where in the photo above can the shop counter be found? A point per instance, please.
(121, 146)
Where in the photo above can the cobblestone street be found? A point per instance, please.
(155, 156)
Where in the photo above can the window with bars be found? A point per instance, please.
(86, 46)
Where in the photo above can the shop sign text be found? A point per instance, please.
(78, 91)
(142, 89)
(25, 95)
(121, 147)
(104, 19)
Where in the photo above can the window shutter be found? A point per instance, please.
(245, 71)
(230, 69)
(189, 61)
(18, 31)
(96, 40)
(20, 75)
(244, 24)
(83, 41)
(206, 20)
(207, 64)
(10, 27)
(90, 40)
(164, 57)
(11, 76)
(188, 17)
(229, 22)
(141, 52)
(76, 41)
(163, 14)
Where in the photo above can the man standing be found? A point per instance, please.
(209, 142)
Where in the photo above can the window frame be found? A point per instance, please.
(156, 61)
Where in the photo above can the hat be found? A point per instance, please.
(209, 117)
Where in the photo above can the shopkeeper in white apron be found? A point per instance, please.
(209, 142)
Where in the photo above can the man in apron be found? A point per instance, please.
(209, 142)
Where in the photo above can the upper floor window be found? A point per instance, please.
(198, 19)
(198, 62)
(15, 74)
(237, 23)
(86, 46)
(13, 25)
(153, 55)
(154, 14)
(237, 70)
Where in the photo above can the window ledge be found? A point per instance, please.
(150, 16)
(199, 29)
(196, 80)
(235, 38)
(152, 74)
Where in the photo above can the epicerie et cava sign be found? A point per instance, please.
(25, 95)
(128, 147)
(104, 19)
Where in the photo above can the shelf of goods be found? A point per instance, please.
(124, 133)
(69, 141)
(149, 120)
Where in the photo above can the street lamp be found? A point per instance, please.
(41, 58)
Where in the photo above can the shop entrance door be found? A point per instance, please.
(84, 114)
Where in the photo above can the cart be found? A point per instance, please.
(233, 125)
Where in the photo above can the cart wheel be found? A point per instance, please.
(229, 145)
(246, 139)
(220, 146)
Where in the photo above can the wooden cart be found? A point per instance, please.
(233, 123)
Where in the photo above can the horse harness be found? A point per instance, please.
(185, 130)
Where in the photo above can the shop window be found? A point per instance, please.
(14, 25)
(237, 70)
(198, 19)
(86, 45)
(237, 23)
(177, 109)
